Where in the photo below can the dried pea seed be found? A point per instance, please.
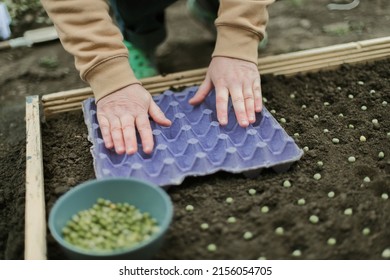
(231, 220)
(252, 191)
(204, 226)
(301, 201)
(279, 230)
(229, 200)
(296, 253)
(189, 208)
(386, 253)
(348, 211)
(335, 140)
(248, 235)
(314, 219)
(385, 196)
(264, 209)
(331, 194)
(366, 231)
(286, 184)
(351, 159)
(367, 179)
(331, 241)
(211, 247)
(317, 176)
(381, 155)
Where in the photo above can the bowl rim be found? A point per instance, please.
(163, 226)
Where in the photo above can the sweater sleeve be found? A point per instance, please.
(87, 31)
(240, 26)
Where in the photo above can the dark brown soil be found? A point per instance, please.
(294, 25)
(68, 162)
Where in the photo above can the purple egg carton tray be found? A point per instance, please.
(195, 144)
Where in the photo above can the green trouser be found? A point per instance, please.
(143, 22)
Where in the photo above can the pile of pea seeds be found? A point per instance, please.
(108, 226)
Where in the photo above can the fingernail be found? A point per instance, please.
(244, 122)
(223, 120)
(251, 118)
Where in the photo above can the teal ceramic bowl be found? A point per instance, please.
(143, 195)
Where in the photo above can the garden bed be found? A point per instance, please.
(294, 25)
(333, 101)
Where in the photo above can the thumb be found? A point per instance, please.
(157, 115)
(202, 92)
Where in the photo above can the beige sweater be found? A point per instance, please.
(87, 31)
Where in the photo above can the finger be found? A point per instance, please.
(105, 130)
(239, 106)
(116, 134)
(202, 92)
(258, 95)
(129, 135)
(145, 132)
(249, 100)
(158, 115)
(222, 99)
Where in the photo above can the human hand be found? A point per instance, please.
(122, 112)
(238, 78)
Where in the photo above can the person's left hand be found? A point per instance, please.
(238, 78)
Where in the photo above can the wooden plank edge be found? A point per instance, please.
(296, 62)
(288, 69)
(359, 46)
(35, 212)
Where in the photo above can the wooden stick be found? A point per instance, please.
(354, 46)
(338, 60)
(296, 60)
(35, 214)
(67, 100)
(330, 65)
(66, 94)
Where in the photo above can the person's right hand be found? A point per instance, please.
(122, 112)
